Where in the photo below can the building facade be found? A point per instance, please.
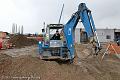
(104, 35)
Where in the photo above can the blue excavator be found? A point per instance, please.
(63, 48)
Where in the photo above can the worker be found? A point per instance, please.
(56, 36)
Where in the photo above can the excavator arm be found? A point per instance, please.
(83, 14)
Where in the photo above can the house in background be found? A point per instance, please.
(104, 35)
(3, 34)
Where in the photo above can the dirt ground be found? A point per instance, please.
(24, 64)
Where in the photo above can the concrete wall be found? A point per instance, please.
(104, 34)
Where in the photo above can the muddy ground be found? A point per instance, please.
(24, 64)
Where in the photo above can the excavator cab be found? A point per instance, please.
(53, 47)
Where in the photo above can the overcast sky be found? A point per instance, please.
(32, 13)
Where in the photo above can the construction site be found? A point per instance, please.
(61, 51)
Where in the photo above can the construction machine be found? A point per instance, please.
(64, 49)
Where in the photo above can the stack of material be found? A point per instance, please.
(21, 41)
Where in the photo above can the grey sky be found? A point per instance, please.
(32, 13)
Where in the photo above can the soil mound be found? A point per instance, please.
(20, 41)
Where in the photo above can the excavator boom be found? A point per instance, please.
(83, 14)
